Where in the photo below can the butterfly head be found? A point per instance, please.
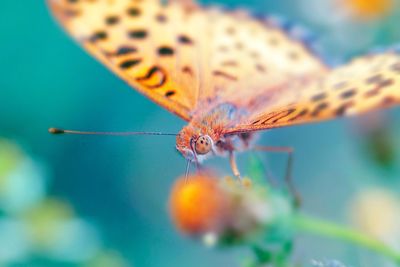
(203, 144)
(193, 145)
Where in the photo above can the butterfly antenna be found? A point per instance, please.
(63, 131)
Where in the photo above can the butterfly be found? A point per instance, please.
(224, 72)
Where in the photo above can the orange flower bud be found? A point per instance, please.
(369, 8)
(198, 205)
(224, 211)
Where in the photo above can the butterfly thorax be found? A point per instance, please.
(212, 125)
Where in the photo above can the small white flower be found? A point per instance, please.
(376, 211)
(327, 263)
(210, 239)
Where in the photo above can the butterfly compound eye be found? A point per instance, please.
(203, 145)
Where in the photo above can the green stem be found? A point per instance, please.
(324, 228)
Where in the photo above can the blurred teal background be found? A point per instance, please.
(102, 201)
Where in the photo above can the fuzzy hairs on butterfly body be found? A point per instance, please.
(212, 125)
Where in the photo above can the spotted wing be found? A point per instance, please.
(367, 83)
(252, 55)
(180, 55)
(137, 40)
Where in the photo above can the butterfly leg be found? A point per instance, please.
(288, 176)
(232, 161)
(187, 170)
(272, 180)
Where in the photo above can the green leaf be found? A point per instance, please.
(256, 170)
(263, 256)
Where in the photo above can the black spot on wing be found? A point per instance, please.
(260, 68)
(169, 93)
(348, 93)
(184, 39)
(319, 108)
(112, 20)
(379, 86)
(187, 70)
(133, 11)
(386, 83)
(224, 75)
(137, 34)
(388, 100)
(341, 111)
(70, 13)
(129, 63)
(98, 36)
(318, 97)
(165, 51)
(161, 18)
(374, 79)
(229, 63)
(124, 50)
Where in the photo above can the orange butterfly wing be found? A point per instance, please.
(367, 83)
(139, 41)
(180, 55)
